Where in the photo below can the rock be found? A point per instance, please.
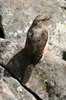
(18, 15)
(63, 4)
(10, 89)
(48, 78)
(9, 49)
(17, 70)
(48, 75)
(51, 70)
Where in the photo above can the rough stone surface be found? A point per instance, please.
(19, 14)
(10, 89)
(51, 70)
(48, 78)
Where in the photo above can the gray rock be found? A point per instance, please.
(18, 16)
(7, 50)
(12, 90)
(49, 75)
(63, 4)
(48, 78)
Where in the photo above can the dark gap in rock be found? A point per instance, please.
(64, 55)
(33, 93)
(28, 89)
(2, 35)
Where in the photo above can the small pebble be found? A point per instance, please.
(19, 89)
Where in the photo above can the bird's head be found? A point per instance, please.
(41, 19)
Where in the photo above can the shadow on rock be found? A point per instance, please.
(20, 66)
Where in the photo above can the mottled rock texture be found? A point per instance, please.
(48, 78)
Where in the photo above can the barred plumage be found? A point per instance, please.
(37, 37)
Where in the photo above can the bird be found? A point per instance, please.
(37, 37)
(36, 40)
(31, 54)
(1, 28)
